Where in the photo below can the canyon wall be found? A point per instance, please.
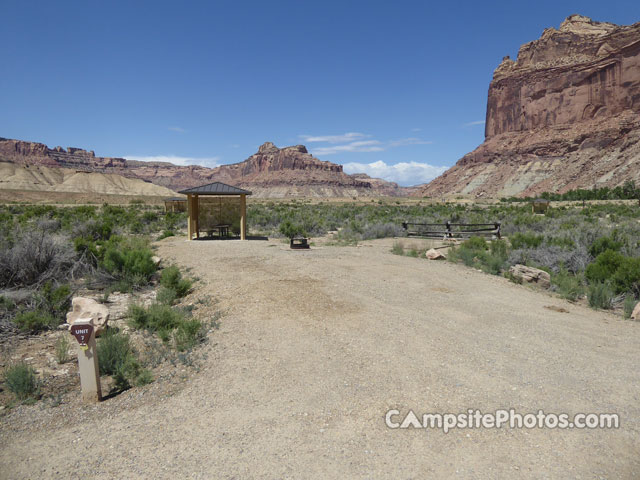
(270, 172)
(564, 115)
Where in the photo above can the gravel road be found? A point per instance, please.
(316, 346)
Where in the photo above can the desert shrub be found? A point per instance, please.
(169, 323)
(553, 257)
(525, 240)
(629, 304)
(603, 244)
(172, 278)
(166, 296)
(93, 229)
(166, 233)
(562, 242)
(475, 243)
(87, 248)
(188, 334)
(600, 295)
(149, 217)
(116, 357)
(627, 276)
(382, 230)
(130, 261)
(35, 321)
(291, 230)
(622, 271)
(398, 248)
(55, 300)
(62, 348)
(21, 380)
(475, 252)
(6, 304)
(145, 377)
(33, 257)
(157, 318)
(567, 285)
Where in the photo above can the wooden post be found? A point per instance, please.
(243, 217)
(190, 223)
(88, 368)
(196, 208)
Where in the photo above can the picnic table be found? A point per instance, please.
(223, 230)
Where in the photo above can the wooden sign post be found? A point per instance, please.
(82, 329)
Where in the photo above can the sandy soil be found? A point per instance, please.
(315, 346)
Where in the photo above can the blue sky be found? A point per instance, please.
(395, 89)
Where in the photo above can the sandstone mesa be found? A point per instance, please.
(564, 115)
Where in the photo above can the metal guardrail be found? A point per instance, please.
(452, 230)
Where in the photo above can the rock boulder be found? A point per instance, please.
(433, 254)
(82, 307)
(531, 275)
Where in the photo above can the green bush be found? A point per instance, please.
(568, 286)
(628, 306)
(166, 233)
(600, 295)
(156, 318)
(22, 381)
(475, 243)
(166, 296)
(398, 248)
(474, 253)
(56, 300)
(35, 321)
(525, 240)
(116, 357)
(168, 323)
(603, 244)
(172, 278)
(292, 230)
(129, 261)
(7, 304)
(622, 271)
(62, 348)
(188, 334)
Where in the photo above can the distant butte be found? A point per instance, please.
(270, 172)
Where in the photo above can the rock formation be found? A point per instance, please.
(271, 172)
(564, 115)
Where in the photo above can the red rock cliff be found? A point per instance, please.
(565, 114)
(271, 172)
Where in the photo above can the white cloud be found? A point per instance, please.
(177, 129)
(176, 160)
(408, 141)
(416, 129)
(359, 146)
(471, 124)
(355, 142)
(403, 173)
(344, 138)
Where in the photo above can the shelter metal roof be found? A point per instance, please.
(216, 188)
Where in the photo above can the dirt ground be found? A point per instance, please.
(316, 346)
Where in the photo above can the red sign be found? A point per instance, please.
(82, 333)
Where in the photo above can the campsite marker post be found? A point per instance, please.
(82, 329)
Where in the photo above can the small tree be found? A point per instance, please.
(292, 230)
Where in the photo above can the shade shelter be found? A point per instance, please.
(540, 205)
(216, 206)
(175, 204)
